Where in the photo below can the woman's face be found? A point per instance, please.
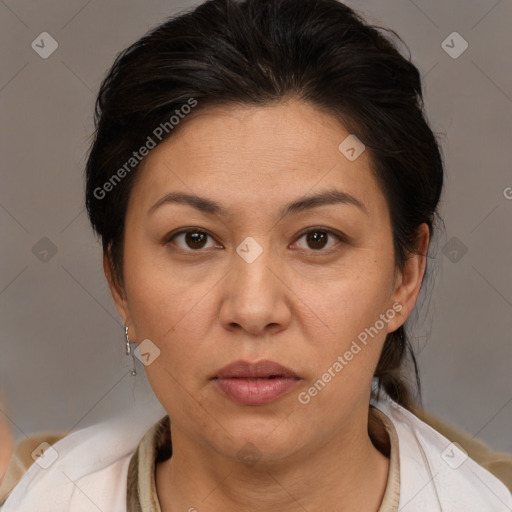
(248, 283)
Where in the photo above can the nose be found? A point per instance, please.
(255, 297)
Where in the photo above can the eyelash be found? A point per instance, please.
(341, 238)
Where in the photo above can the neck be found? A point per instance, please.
(345, 473)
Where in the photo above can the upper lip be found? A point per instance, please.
(262, 369)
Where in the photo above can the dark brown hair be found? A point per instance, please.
(256, 52)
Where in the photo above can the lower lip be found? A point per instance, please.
(255, 391)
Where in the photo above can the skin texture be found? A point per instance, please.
(299, 303)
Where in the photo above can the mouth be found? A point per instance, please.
(256, 383)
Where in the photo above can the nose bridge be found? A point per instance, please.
(251, 264)
(253, 293)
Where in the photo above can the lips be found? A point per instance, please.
(261, 369)
(255, 383)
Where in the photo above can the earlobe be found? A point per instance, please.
(410, 278)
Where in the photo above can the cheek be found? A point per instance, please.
(344, 361)
(160, 299)
(170, 311)
(355, 298)
(357, 311)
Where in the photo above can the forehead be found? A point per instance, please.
(295, 130)
(259, 155)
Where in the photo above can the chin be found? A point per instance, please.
(255, 439)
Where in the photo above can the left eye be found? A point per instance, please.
(317, 238)
(195, 238)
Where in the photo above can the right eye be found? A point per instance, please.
(194, 238)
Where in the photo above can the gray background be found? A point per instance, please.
(62, 362)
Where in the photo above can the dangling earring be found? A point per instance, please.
(129, 350)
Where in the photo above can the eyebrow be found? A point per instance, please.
(206, 205)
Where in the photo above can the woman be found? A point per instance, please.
(266, 188)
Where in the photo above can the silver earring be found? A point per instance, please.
(129, 349)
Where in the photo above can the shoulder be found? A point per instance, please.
(88, 465)
(437, 472)
(56, 473)
(25, 454)
(497, 463)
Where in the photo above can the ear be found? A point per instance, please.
(408, 282)
(118, 294)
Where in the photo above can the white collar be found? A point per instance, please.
(91, 470)
(437, 476)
